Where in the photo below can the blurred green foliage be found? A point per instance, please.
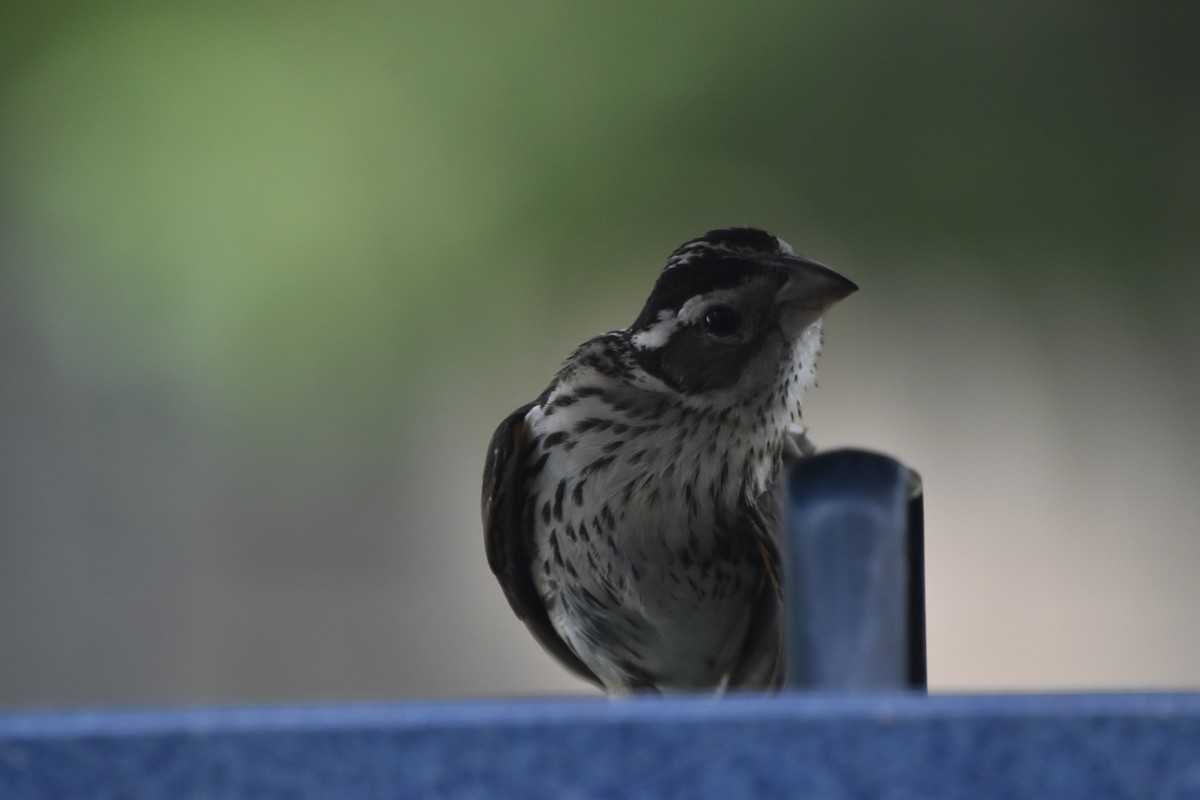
(279, 200)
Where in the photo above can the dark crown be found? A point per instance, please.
(719, 259)
(748, 243)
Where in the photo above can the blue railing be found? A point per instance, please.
(855, 562)
(751, 746)
(855, 621)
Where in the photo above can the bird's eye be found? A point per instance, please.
(722, 321)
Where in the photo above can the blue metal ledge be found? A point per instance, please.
(746, 746)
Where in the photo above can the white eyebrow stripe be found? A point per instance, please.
(695, 307)
(658, 334)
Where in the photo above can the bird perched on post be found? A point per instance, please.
(630, 512)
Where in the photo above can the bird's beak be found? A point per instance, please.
(810, 286)
(808, 290)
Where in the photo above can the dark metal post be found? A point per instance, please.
(855, 573)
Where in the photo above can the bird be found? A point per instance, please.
(631, 512)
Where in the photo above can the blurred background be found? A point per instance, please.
(270, 274)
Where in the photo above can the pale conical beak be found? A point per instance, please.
(809, 285)
(808, 290)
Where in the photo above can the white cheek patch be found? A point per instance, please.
(658, 334)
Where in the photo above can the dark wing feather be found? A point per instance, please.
(506, 536)
(762, 661)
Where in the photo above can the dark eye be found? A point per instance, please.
(722, 321)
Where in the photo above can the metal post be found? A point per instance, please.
(854, 575)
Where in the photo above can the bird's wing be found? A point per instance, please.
(506, 536)
(763, 657)
(762, 661)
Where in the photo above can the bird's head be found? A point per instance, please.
(731, 310)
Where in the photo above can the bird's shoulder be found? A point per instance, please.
(606, 357)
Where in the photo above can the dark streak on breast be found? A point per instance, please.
(558, 499)
(598, 464)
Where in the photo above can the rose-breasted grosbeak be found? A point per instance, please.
(630, 512)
